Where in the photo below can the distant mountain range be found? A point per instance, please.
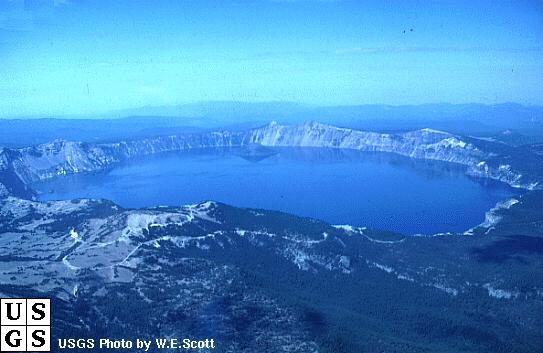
(506, 115)
(511, 123)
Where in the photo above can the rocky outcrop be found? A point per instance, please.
(67, 157)
(504, 173)
(422, 144)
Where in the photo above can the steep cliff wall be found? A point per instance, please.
(67, 157)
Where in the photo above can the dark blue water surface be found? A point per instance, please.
(377, 190)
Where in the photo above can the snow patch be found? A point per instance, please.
(74, 235)
(500, 293)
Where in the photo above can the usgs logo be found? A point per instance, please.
(25, 325)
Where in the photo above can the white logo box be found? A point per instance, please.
(25, 325)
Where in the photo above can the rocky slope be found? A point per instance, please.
(19, 167)
(260, 281)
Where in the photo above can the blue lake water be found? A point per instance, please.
(376, 190)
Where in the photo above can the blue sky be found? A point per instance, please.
(86, 57)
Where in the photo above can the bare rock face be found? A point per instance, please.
(61, 157)
(422, 144)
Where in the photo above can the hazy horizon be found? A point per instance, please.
(169, 111)
(80, 57)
